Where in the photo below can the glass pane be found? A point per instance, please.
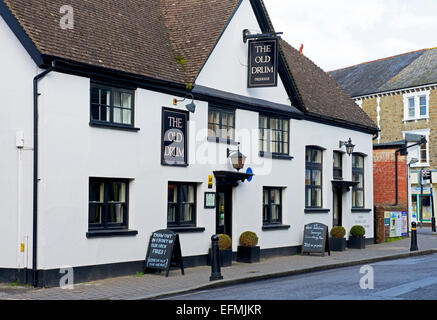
(224, 119)
(316, 197)
(262, 122)
(265, 197)
(358, 177)
(231, 121)
(187, 213)
(423, 157)
(308, 177)
(95, 112)
(411, 107)
(118, 115)
(357, 161)
(308, 197)
(104, 114)
(273, 123)
(115, 213)
(316, 156)
(275, 196)
(216, 117)
(171, 214)
(275, 212)
(95, 92)
(337, 159)
(423, 105)
(95, 213)
(265, 213)
(316, 179)
(116, 192)
(105, 97)
(172, 193)
(358, 200)
(127, 116)
(308, 154)
(126, 100)
(96, 192)
(117, 99)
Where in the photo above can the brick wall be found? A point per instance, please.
(384, 178)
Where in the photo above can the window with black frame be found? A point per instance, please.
(108, 203)
(112, 106)
(338, 165)
(272, 205)
(273, 135)
(181, 205)
(313, 177)
(358, 176)
(221, 124)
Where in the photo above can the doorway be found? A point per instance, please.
(337, 210)
(224, 211)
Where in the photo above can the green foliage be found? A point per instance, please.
(248, 239)
(180, 60)
(393, 239)
(140, 274)
(338, 232)
(15, 283)
(188, 86)
(357, 231)
(225, 241)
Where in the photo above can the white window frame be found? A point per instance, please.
(416, 96)
(422, 132)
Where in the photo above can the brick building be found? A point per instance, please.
(399, 94)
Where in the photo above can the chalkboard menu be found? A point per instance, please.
(164, 251)
(315, 239)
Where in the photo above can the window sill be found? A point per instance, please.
(269, 227)
(110, 233)
(316, 210)
(114, 126)
(353, 210)
(277, 156)
(222, 140)
(415, 119)
(186, 229)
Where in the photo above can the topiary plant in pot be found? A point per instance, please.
(357, 240)
(248, 251)
(337, 241)
(225, 251)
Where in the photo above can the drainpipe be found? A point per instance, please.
(35, 172)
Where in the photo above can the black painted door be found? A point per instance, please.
(224, 211)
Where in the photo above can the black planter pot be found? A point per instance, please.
(248, 254)
(337, 244)
(225, 257)
(356, 242)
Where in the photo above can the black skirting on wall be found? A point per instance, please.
(52, 277)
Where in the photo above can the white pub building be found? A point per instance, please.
(122, 117)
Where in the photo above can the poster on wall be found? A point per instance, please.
(387, 222)
(404, 224)
(174, 137)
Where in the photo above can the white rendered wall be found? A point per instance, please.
(226, 68)
(16, 114)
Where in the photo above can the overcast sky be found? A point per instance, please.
(341, 33)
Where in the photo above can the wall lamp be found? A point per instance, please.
(237, 158)
(190, 107)
(349, 146)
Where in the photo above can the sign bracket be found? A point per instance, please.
(247, 35)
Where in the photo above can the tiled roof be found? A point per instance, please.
(319, 92)
(166, 40)
(162, 39)
(398, 72)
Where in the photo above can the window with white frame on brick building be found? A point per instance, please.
(416, 105)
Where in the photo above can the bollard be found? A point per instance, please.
(413, 237)
(215, 259)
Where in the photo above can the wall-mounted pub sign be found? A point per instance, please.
(174, 137)
(263, 63)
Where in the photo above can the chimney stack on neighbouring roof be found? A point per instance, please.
(301, 49)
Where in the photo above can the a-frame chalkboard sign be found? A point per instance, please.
(315, 239)
(164, 251)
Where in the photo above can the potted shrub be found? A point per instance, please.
(337, 241)
(248, 251)
(225, 251)
(357, 240)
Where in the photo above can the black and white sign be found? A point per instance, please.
(315, 239)
(263, 63)
(164, 251)
(174, 137)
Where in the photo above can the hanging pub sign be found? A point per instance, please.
(174, 137)
(263, 63)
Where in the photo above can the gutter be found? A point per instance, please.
(36, 80)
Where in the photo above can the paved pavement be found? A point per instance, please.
(153, 286)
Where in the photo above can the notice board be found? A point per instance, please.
(315, 239)
(164, 251)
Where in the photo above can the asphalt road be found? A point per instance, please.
(412, 278)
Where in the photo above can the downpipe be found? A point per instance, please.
(36, 80)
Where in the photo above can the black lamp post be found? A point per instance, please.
(349, 146)
(237, 158)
